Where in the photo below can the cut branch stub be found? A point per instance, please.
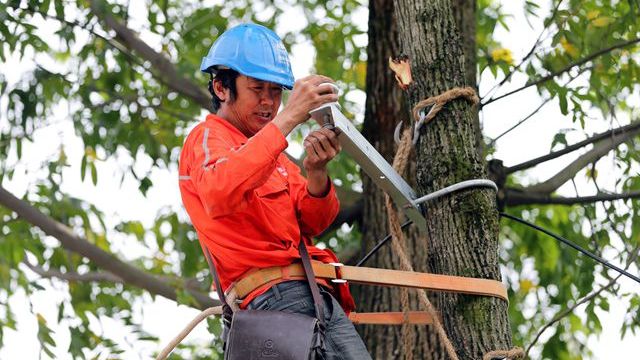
(401, 67)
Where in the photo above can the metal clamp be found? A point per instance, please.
(337, 281)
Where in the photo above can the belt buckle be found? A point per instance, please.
(337, 280)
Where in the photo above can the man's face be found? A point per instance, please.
(255, 106)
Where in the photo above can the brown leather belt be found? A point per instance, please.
(373, 276)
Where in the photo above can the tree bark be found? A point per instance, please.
(464, 13)
(462, 229)
(384, 108)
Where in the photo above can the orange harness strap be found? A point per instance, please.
(391, 318)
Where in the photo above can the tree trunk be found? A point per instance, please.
(463, 227)
(384, 108)
(464, 13)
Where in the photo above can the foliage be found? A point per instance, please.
(547, 278)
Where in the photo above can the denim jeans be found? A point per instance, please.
(341, 339)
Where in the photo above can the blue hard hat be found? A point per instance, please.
(252, 50)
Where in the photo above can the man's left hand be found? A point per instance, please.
(321, 146)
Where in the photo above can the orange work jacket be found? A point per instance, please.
(249, 203)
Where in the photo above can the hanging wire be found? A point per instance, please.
(379, 245)
(573, 245)
(534, 226)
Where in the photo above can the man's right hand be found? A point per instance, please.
(307, 94)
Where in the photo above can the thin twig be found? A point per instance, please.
(127, 41)
(111, 42)
(565, 69)
(516, 197)
(537, 109)
(525, 58)
(520, 122)
(74, 276)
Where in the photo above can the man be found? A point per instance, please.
(248, 202)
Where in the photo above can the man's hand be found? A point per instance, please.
(307, 94)
(321, 146)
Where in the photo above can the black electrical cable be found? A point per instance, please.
(576, 247)
(379, 245)
(557, 237)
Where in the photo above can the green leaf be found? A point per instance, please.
(145, 184)
(19, 147)
(94, 174)
(83, 167)
(559, 138)
(185, 298)
(47, 342)
(214, 325)
(59, 8)
(44, 6)
(562, 98)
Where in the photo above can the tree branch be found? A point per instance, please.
(74, 276)
(633, 127)
(170, 78)
(515, 197)
(166, 71)
(110, 42)
(599, 149)
(129, 274)
(565, 69)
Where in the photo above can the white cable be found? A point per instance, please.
(456, 187)
(217, 310)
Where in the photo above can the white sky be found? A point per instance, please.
(162, 317)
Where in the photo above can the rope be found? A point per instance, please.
(437, 102)
(515, 353)
(400, 162)
(397, 240)
(216, 310)
(399, 245)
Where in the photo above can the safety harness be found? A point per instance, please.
(370, 276)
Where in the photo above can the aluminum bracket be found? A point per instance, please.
(380, 171)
